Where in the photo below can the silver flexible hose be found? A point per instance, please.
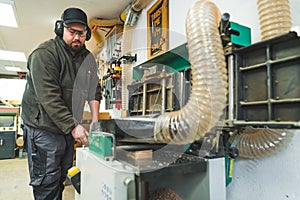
(209, 80)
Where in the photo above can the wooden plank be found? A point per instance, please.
(142, 154)
(102, 116)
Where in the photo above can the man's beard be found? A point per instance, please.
(76, 47)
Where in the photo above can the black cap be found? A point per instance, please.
(72, 15)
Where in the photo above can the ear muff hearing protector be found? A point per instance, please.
(59, 30)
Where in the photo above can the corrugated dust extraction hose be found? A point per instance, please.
(259, 143)
(209, 80)
(274, 17)
(126, 67)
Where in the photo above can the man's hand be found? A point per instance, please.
(80, 135)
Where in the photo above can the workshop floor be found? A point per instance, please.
(14, 179)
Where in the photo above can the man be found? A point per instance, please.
(62, 75)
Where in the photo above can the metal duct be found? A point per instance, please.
(274, 17)
(209, 80)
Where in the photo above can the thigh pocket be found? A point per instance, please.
(39, 160)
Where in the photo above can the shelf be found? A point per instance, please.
(175, 60)
(137, 93)
(136, 111)
(153, 90)
(271, 62)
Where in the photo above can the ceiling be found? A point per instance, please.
(36, 20)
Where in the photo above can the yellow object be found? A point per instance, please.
(73, 170)
(231, 168)
(123, 17)
(104, 23)
(117, 68)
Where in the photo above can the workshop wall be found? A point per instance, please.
(241, 12)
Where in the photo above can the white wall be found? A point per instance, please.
(245, 13)
(276, 177)
(241, 11)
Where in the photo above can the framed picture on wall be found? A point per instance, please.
(158, 28)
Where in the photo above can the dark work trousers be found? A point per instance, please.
(50, 156)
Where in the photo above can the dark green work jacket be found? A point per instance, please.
(58, 84)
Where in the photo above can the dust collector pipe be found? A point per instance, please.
(209, 80)
(259, 143)
(126, 67)
(274, 17)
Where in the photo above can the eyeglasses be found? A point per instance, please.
(80, 33)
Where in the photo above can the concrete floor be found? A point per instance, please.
(14, 179)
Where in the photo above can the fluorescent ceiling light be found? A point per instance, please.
(14, 69)
(7, 15)
(12, 56)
